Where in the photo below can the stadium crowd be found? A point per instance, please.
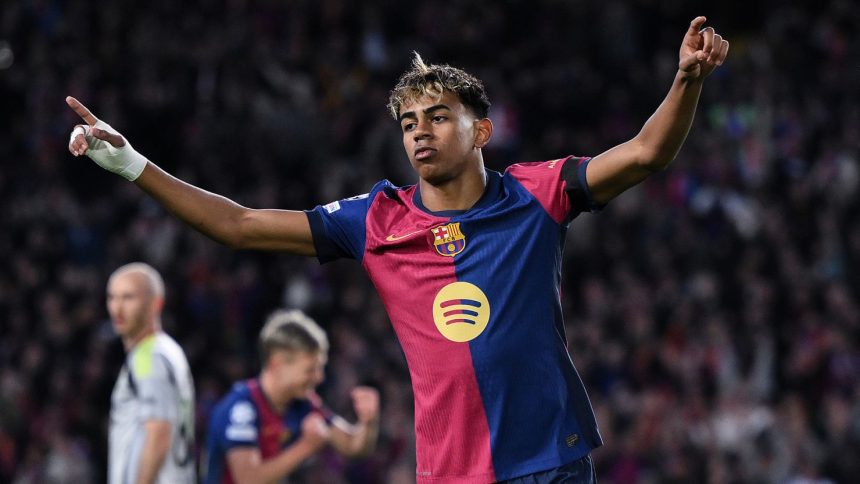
(713, 312)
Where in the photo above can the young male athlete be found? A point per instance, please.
(151, 436)
(267, 426)
(467, 263)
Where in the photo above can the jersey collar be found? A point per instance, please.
(490, 191)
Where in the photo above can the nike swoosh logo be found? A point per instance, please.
(392, 237)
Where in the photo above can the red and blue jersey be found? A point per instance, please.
(244, 418)
(474, 298)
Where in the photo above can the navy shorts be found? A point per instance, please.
(577, 472)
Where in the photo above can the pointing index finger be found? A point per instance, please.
(81, 111)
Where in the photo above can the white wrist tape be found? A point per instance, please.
(123, 161)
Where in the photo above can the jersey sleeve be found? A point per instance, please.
(339, 228)
(236, 425)
(559, 185)
(156, 387)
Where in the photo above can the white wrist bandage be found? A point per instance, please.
(123, 161)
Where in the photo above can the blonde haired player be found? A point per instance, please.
(268, 425)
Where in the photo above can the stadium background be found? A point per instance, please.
(713, 311)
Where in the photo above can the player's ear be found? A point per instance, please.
(158, 304)
(483, 132)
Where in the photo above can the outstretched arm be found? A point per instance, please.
(657, 144)
(215, 216)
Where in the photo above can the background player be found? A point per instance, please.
(509, 403)
(152, 407)
(267, 426)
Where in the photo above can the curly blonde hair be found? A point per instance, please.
(433, 80)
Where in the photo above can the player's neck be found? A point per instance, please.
(267, 385)
(133, 340)
(460, 193)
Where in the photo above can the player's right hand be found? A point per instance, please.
(103, 144)
(315, 430)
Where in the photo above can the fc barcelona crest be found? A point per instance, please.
(448, 239)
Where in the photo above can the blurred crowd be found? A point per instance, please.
(713, 312)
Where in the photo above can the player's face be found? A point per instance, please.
(298, 373)
(130, 304)
(439, 137)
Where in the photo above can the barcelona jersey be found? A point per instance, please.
(244, 418)
(474, 298)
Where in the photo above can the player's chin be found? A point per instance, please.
(432, 173)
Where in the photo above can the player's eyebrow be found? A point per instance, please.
(411, 114)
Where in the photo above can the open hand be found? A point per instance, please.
(702, 50)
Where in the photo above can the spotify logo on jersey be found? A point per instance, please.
(461, 311)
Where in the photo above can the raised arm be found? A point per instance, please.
(215, 216)
(359, 439)
(657, 144)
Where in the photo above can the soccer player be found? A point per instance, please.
(467, 263)
(266, 427)
(151, 433)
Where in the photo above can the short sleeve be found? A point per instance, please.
(156, 387)
(339, 228)
(576, 186)
(559, 185)
(237, 425)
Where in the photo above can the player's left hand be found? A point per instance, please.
(365, 401)
(702, 50)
